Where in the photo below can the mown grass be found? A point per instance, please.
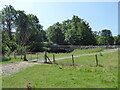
(84, 75)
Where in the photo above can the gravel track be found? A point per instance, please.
(9, 68)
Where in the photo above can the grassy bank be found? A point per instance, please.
(84, 75)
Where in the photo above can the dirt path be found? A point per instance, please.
(7, 69)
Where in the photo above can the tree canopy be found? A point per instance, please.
(20, 30)
(75, 32)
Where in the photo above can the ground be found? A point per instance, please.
(84, 74)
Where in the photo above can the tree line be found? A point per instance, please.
(23, 32)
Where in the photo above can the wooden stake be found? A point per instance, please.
(45, 56)
(53, 58)
(72, 60)
(21, 56)
(49, 59)
(25, 57)
(96, 60)
(37, 56)
(31, 55)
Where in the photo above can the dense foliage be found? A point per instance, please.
(23, 32)
(74, 32)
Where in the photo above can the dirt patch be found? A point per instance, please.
(14, 67)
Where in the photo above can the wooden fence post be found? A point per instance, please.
(53, 58)
(25, 59)
(37, 56)
(48, 59)
(96, 60)
(31, 55)
(72, 60)
(45, 56)
(21, 56)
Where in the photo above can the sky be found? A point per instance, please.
(99, 15)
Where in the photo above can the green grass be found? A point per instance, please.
(58, 55)
(75, 52)
(84, 75)
(90, 60)
(10, 60)
(0, 79)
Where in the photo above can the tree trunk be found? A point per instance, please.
(21, 56)
(25, 57)
(14, 55)
(9, 30)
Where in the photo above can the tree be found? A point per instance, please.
(44, 37)
(37, 36)
(117, 40)
(23, 30)
(55, 35)
(102, 40)
(108, 35)
(29, 31)
(8, 46)
(74, 31)
(95, 33)
(78, 32)
(8, 18)
(66, 24)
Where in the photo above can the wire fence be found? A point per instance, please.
(36, 56)
(41, 57)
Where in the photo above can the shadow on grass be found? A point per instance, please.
(5, 59)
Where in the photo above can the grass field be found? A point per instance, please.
(75, 52)
(50, 55)
(84, 75)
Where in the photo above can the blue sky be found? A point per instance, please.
(100, 15)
